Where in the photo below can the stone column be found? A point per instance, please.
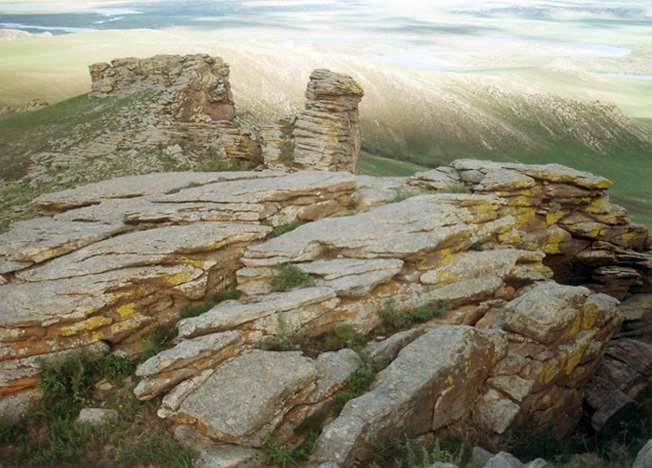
(327, 134)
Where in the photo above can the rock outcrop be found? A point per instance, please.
(196, 87)
(31, 105)
(326, 135)
(111, 260)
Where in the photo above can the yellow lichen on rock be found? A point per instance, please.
(90, 324)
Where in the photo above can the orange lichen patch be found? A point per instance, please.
(19, 385)
(199, 425)
(183, 419)
(509, 293)
(26, 348)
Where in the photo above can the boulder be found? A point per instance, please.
(96, 416)
(246, 398)
(644, 456)
(411, 397)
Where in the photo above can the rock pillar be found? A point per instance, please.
(327, 134)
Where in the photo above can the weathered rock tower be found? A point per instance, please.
(326, 136)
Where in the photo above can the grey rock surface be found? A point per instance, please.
(408, 396)
(96, 416)
(246, 398)
(644, 456)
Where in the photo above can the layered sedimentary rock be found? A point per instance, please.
(513, 344)
(326, 135)
(118, 257)
(196, 86)
(624, 375)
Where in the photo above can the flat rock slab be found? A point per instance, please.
(353, 277)
(187, 352)
(245, 200)
(141, 248)
(134, 186)
(269, 189)
(233, 314)
(41, 239)
(245, 399)
(409, 396)
(399, 230)
(475, 171)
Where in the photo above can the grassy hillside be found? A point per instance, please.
(446, 124)
(62, 132)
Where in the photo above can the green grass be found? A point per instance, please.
(289, 277)
(391, 317)
(47, 434)
(287, 227)
(375, 165)
(74, 122)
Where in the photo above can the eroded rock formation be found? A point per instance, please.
(196, 87)
(111, 260)
(326, 135)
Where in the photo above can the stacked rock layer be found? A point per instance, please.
(113, 259)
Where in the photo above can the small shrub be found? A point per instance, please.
(455, 187)
(65, 383)
(342, 335)
(287, 152)
(216, 298)
(278, 454)
(283, 341)
(358, 384)
(311, 424)
(288, 123)
(289, 277)
(116, 367)
(158, 338)
(226, 295)
(217, 165)
(392, 318)
(194, 311)
(287, 227)
(354, 203)
(410, 453)
(179, 189)
(477, 246)
(400, 194)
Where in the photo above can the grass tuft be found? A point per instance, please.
(285, 228)
(290, 276)
(392, 318)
